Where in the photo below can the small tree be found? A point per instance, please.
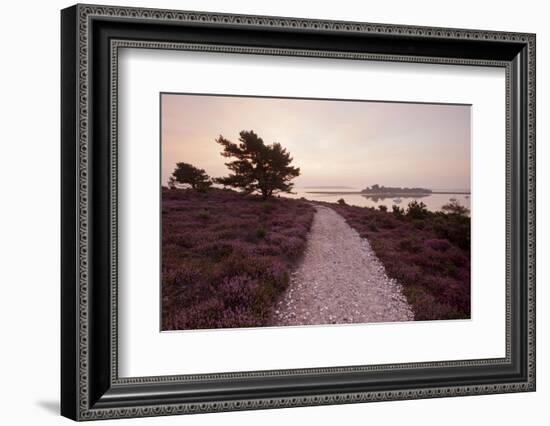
(454, 207)
(417, 210)
(257, 166)
(185, 173)
(397, 211)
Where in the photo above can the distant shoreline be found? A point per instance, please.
(327, 187)
(389, 194)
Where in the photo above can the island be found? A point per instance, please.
(393, 191)
(381, 191)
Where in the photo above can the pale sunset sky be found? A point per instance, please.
(335, 143)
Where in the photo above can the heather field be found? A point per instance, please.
(227, 259)
(226, 256)
(427, 252)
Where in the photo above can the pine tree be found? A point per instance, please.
(186, 173)
(257, 167)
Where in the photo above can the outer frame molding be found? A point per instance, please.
(91, 36)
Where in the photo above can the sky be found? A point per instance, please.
(335, 143)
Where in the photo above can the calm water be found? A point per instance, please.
(434, 202)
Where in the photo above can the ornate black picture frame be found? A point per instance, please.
(91, 36)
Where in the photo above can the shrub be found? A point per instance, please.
(387, 222)
(292, 247)
(417, 210)
(215, 250)
(267, 207)
(342, 202)
(261, 232)
(454, 207)
(397, 211)
(203, 215)
(382, 208)
(455, 228)
(418, 223)
(438, 244)
(409, 245)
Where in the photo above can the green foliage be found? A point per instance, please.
(203, 215)
(409, 244)
(416, 210)
(455, 208)
(187, 174)
(267, 207)
(398, 211)
(419, 223)
(261, 232)
(453, 227)
(257, 167)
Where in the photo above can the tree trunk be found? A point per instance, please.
(265, 193)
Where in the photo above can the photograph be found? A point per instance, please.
(279, 211)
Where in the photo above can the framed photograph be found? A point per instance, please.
(263, 212)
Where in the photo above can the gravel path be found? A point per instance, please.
(340, 280)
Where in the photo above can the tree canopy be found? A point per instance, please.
(257, 167)
(186, 173)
